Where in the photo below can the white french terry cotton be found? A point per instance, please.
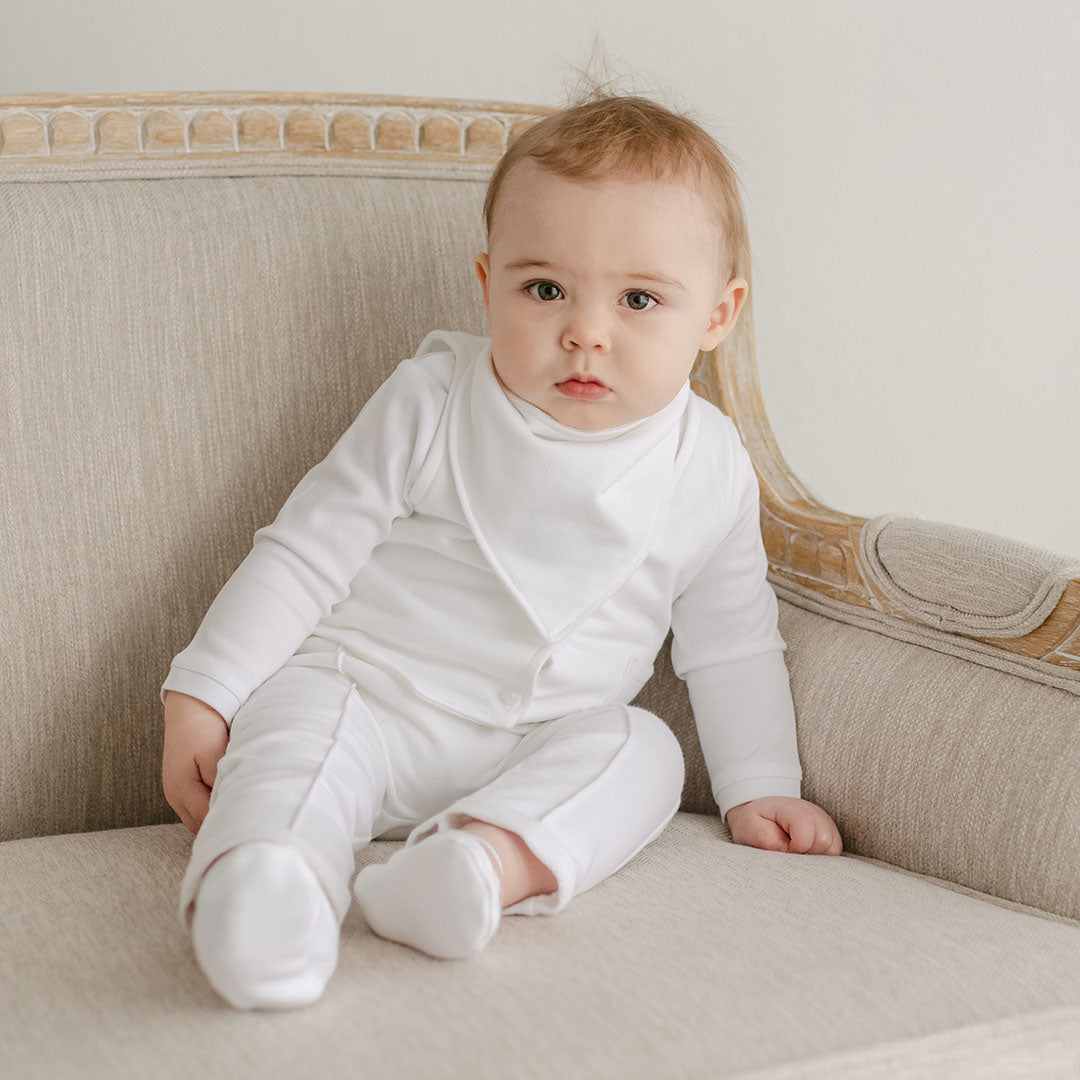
(263, 929)
(442, 896)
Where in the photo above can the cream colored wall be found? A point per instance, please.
(911, 174)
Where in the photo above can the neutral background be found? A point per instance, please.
(911, 173)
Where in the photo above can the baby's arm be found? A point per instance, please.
(728, 648)
(303, 563)
(299, 567)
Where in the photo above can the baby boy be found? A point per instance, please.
(439, 636)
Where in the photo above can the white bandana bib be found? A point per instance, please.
(564, 517)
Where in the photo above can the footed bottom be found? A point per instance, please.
(441, 896)
(263, 929)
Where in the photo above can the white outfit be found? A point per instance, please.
(451, 612)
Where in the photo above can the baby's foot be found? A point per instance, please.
(441, 895)
(264, 930)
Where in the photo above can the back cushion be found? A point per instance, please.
(177, 352)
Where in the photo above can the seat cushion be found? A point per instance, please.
(700, 958)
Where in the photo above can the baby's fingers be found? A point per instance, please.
(802, 829)
(193, 807)
(198, 803)
(834, 844)
(207, 765)
(762, 833)
(827, 840)
(815, 837)
(190, 797)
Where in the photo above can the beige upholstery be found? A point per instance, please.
(700, 958)
(181, 341)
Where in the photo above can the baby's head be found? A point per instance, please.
(615, 233)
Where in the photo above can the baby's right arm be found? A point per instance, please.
(299, 567)
(195, 741)
(303, 563)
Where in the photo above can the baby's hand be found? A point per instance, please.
(779, 823)
(195, 740)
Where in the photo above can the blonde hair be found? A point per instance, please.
(627, 135)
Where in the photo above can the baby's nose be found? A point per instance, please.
(587, 330)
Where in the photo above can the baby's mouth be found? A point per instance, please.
(582, 386)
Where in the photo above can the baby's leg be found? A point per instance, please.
(522, 873)
(296, 792)
(579, 798)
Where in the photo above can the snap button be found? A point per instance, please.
(511, 696)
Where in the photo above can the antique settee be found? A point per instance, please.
(197, 294)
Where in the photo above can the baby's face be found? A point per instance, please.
(572, 292)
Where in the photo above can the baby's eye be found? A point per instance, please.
(546, 286)
(636, 298)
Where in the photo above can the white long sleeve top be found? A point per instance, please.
(510, 569)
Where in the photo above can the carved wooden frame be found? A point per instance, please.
(44, 128)
(809, 544)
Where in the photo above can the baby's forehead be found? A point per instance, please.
(689, 193)
(620, 178)
(669, 194)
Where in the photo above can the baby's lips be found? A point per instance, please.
(575, 378)
(583, 391)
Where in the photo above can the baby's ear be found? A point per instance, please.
(482, 265)
(725, 314)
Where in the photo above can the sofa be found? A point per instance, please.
(198, 292)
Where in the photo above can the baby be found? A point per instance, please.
(438, 637)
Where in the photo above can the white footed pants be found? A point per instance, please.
(319, 765)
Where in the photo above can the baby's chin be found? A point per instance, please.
(587, 415)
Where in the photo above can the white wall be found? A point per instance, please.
(912, 174)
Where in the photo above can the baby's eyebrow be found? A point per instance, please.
(646, 275)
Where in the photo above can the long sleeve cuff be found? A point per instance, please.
(203, 687)
(758, 787)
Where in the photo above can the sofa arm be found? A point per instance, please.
(937, 750)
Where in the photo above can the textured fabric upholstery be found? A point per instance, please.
(925, 760)
(937, 764)
(964, 580)
(700, 958)
(183, 351)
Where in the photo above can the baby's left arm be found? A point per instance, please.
(728, 648)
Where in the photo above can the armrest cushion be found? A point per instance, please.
(963, 580)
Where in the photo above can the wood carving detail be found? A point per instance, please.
(150, 125)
